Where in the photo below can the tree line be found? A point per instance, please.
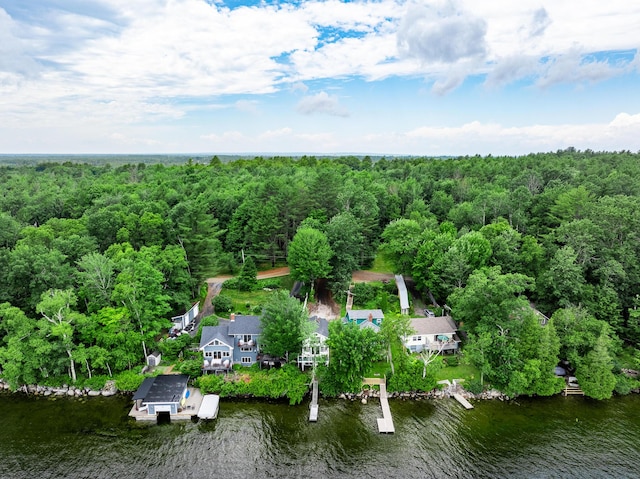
(119, 249)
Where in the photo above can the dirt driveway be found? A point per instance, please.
(364, 276)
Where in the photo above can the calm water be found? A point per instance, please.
(544, 438)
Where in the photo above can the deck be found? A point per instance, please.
(385, 423)
(190, 409)
(313, 408)
(466, 404)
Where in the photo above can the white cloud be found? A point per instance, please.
(282, 132)
(116, 65)
(477, 137)
(539, 23)
(441, 32)
(321, 103)
(234, 136)
(576, 68)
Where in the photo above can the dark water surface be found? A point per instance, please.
(542, 438)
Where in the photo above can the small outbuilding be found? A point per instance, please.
(403, 295)
(161, 394)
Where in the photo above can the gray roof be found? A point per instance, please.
(164, 388)
(245, 325)
(369, 325)
(438, 325)
(402, 292)
(220, 332)
(364, 313)
(322, 325)
(143, 390)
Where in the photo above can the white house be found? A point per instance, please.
(433, 333)
(315, 349)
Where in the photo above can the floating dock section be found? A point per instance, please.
(313, 408)
(385, 423)
(463, 401)
(209, 407)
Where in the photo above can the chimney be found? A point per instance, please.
(232, 317)
(370, 317)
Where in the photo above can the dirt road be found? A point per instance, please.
(364, 276)
(270, 273)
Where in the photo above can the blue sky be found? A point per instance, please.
(389, 77)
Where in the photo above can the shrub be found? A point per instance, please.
(272, 283)
(171, 349)
(408, 377)
(95, 382)
(222, 303)
(128, 380)
(364, 293)
(232, 283)
(287, 381)
(474, 386)
(625, 384)
(191, 367)
(452, 360)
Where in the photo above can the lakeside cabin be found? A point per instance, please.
(165, 395)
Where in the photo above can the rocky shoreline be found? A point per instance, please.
(65, 390)
(434, 394)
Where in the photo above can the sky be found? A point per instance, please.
(383, 77)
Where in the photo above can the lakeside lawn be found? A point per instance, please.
(246, 302)
(461, 371)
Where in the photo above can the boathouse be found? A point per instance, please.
(161, 394)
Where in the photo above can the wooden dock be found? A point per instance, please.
(385, 423)
(313, 408)
(572, 391)
(466, 404)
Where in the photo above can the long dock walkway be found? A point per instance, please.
(463, 401)
(313, 408)
(385, 423)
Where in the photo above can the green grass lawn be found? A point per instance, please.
(381, 264)
(244, 302)
(462, 371)
(378, 369)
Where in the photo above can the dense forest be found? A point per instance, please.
(97, 258)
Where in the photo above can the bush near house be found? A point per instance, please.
(287, 381)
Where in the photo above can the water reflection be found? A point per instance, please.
(555, 437)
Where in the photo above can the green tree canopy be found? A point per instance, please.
(285, 325)
(309, 255)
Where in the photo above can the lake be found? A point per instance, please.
(554, 437)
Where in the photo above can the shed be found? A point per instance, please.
(154, 359)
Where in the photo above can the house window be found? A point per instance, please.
(417, 338)
(208, 354)
(217, 355)
(246, 338)
(225, 354)
(246, 360)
